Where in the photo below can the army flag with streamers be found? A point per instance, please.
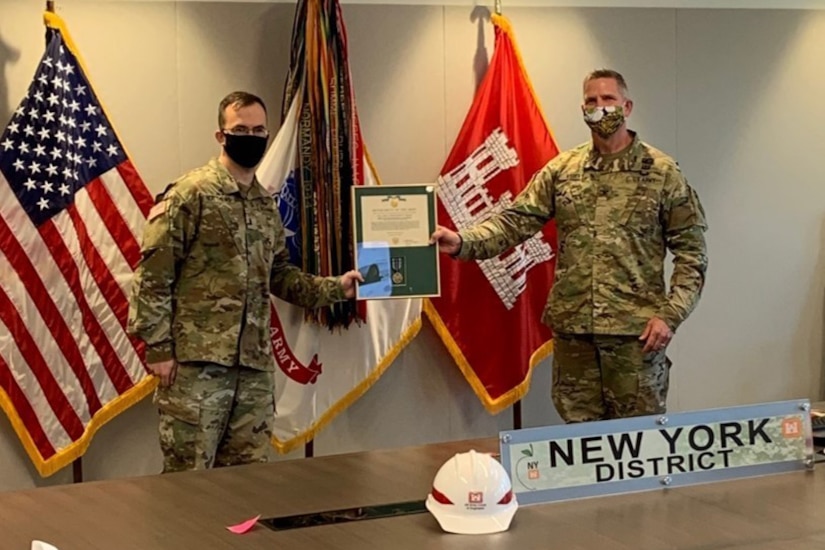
(72, 209)
(325, 359)
(504, 140)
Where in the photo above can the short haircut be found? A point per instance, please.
(608, 73)
(237, 100)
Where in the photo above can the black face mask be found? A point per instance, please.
(247, 151)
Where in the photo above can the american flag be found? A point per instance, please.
(72, 209)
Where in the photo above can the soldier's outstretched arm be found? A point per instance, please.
(685, 226)
(289, 283)
(167, 235)
(528, 214)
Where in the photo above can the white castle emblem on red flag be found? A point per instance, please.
(464, 194)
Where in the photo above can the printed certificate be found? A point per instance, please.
(392, 226)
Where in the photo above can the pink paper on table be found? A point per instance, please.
(242, 528)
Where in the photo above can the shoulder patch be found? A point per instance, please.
(159, 197)
(157, 210)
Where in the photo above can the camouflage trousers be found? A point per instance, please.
(599, 377)
(214, 416)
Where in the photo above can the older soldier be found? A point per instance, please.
(213, 250)
(619, 204)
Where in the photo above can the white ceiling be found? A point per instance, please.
(704, 4)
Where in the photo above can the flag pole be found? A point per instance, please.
(77, 464)
(77, 470)
(517, 404)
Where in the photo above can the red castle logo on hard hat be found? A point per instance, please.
(476, 497)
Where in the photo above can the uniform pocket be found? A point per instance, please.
(642, 211)
(569, 194)
(178, 403)
(220, 221)
(194, 412)
(263, 221)
(654, 382)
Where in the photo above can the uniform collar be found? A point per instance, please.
(229, 185)
(635, 158)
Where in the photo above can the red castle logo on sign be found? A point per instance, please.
(286, 360)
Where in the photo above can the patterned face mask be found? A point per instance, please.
(604, 120)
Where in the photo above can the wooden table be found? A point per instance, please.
(190, 510)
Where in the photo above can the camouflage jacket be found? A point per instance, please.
(211, 255)
(616, 216)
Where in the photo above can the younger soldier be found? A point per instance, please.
(213, 250)
(619, 205)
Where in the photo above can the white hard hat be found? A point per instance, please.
(472, 495)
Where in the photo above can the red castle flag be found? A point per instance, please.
(489, 312)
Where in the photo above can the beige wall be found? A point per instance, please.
(732, 94)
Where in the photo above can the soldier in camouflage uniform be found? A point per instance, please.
(213, 249)
(619, 205)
